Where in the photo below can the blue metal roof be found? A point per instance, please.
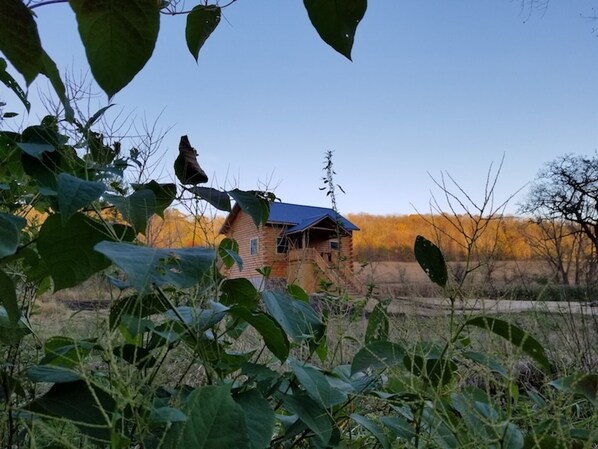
(302, 217)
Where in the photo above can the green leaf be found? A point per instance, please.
(484, 421)
(297, 292)
(378, 327)
(273, 335)
(11, 334)
(19, 39)
(67, 250)
(201, 22)
(167, 415)
(52, 374)
(74, 193)
(440, 432)
(259, 417)
(66, 352)
(119, 38)
(10, 227)
(431, 260)
(228, 250)
(298, 319)
(36, 149)
(250, 202)
(513, 334)
(8, 295)
(51, 71)
(180, 267)
(399, 426)
(336, 21)
(86, 406)
(487, 361)
(165, 195)
(220, 200)
(12, 84)
(312, 414)
(377, 355)
(135, 355)
(138, 306)
(373, 428)
(239, 292)
(214, 421)
(136, 208)
(315, 384)
(95, 117)
(583, 384)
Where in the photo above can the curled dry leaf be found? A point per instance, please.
(186, 167)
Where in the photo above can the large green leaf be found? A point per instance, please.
(378, 355)
(180, 267)
(253, 204)
(220, 200)
(582, 384)
(513, 334)
(273, 335)
(214, 421)
(138, 306)
(66, 352)
(259, 417)
(7, 79)
(165, 195)
(336, 21)
(136, 208)
(239, 292)
(201, 22)
(399, 426)
(19, 39)
(36, 149)
(87, 407)
(10, 333)
(74, 193)
(298, 319)
(52, 374)
(431, 260)
(373, 427)
(312, 414)
(67, 250)
(119, 38)
(228, 250)
(10, 227)
(483, 421)
(8, 296)
(315, 384)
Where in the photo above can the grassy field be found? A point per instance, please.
(522, 280)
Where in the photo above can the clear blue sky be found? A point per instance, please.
(435, 85)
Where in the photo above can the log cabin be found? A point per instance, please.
(304, 245)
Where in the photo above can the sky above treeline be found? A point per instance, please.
(445, 85)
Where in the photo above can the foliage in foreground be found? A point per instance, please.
(171, 365)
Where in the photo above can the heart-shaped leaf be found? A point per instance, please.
(201, 22)
(119, 38)
(336, 21)
(19, 39)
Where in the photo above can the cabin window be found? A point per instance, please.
(282, 245)
(253, 246)
(334, 245)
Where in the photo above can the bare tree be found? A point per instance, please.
(567, 189)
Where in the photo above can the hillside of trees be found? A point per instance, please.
(391, 237)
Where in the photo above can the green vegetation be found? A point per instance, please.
(186, 358)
